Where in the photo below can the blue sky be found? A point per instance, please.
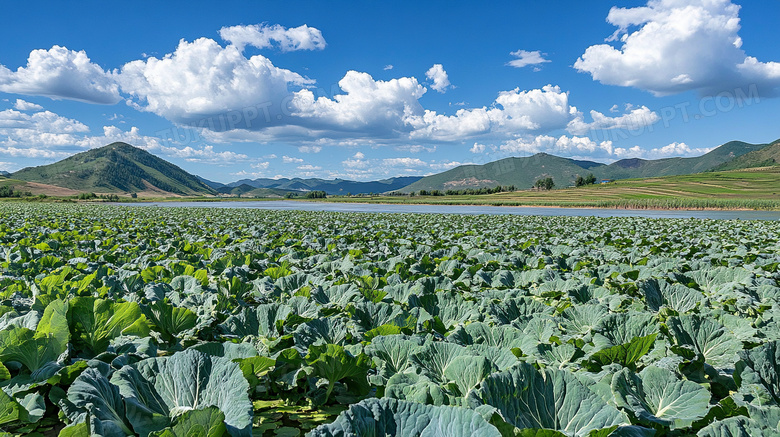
(232, 90)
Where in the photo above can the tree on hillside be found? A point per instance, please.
(544, 183)
(316, 194)
(588, 180)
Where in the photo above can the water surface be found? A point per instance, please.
(472, 209)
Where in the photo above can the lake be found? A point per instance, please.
(471, 209)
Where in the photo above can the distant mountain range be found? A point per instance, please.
(523, 172)
(333, 186)
(122, 168)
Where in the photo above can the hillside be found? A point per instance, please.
(523, 172)
(245, 190)
(755, 188)
(116, 168)
(520, 172)
(333, 186)
(641, 168)
(766, 157)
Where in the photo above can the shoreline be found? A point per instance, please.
(563, 207)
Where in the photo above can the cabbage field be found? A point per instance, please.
(174, 322)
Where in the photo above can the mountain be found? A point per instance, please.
(520, 172)
(766, 157)
(4, 173)
(523, 172)
(642, 168)
(212, 184)
(245, 190)
(116, 168)
(333, 186)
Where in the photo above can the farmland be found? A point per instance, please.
(172, 321)
(757, 189)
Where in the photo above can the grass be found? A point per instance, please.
(756, 189)
(744, 189)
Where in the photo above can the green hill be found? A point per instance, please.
(523, 172)
(116, 168)
(765, 157)
(245, 190)
(641, 168)
(520, 172)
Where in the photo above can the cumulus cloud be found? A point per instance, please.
(373, 107)
(309, 149)
(635, 120)
(359, 167)
(671, 46)
(24, 105)
(32, 152)
(309, 167)
(42, 129)
(263, 36)
(416, 148)
(526, 58)
(404, 162)
(60, 73)
(512, 112)
(673, 149)
(477, 148)
(205, 84)
(291, 160)
(261, 165)
(587, 148)
(563, 145)
(438, 76)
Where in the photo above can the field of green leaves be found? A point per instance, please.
(174, 322)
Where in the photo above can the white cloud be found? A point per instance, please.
(678, 45)
(636, 120)
(356, 162)
(525, 58)
(374, 108)
(404, 162)
(512, 112)
(291, 160)
(586, 148)
(32, 152)
(308, 167)
(24, 105)
(210, 86)
(309, 149)
(263, 36)
(674, 149)
(204, 154)
(261, 165)
(442, 166)
(477, 148)
(388, 67)
(438, 76)
(59, 73)
(42, 129)
(7, 166)
(416, 148)
(562, 146)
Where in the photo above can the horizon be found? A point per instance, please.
(278, 91)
